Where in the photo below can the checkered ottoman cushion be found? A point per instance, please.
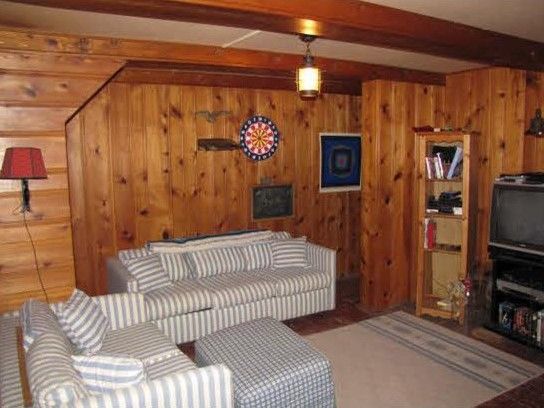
(272, 365)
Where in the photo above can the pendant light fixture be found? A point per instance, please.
(308, 76)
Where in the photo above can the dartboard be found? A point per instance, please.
(259, 137)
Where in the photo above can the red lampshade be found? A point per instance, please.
(23, 163)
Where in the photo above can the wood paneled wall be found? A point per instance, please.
(491, 102)
(38, 93)
(534, 98)
(136, 173)
(389, 111)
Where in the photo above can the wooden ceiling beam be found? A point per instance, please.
(204, 75)
(342, 20)
(27, 41)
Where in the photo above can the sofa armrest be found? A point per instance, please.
(123, 309)
(119, 278)
(199, 388)
(324, 259)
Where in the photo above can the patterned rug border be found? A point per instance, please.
(464, 343)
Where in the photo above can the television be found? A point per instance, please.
(517, 217)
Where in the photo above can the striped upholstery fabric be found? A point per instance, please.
(174, 364)
(142, 341)
(128, 254)
(193, 244)
(176, 265)
(324, 259)
(149, 273)
(101, 373)
(238, 288)
(192, 326)
(209, 387)
(11, 394)
(290, 281)
(289, 253)
(281, 235)
(132, 286)
(258, 256)
(123, 309)
(217, 261)
(82, 320)
(181, 297)
(36, 317)
(51, 376)
(272, 366)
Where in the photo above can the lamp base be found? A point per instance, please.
(25, 207)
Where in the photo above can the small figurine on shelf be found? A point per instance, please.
(458, 293)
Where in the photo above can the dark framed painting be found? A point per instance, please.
(340, 162)
(272, 201)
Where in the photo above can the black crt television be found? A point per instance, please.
(517, 218)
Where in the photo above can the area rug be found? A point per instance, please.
(399, 360)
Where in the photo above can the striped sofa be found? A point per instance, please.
(173, 380)
(220, 281)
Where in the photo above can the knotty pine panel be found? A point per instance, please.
(38, 93)
(157, 184)
(492, 103)
(31, 89)
(533, 158)
(388, 221)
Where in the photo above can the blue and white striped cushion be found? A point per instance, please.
(179, 298)
(176, 265)
(36, 317)
(149, 273)
(238, 288)
(103, 373)
(123, 309)
(293, 280)
(128, 254)
(281, 235)
(217, 261)
(82, 320)
(259, 256)
(289, 252)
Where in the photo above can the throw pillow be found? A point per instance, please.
(103, 373)
(217, 261)
(259, 256)
(176, 266)
(148, 272)
(289, 252)
(127, 254)
(83, 322)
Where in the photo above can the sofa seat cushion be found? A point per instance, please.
(239, 288)
(293, 280)
(174, 364)
(180, 298)
(142, 341)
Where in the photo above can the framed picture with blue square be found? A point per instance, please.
(340, 162)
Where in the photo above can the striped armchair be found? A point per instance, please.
(173, 380)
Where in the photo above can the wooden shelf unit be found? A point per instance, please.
(437, 266)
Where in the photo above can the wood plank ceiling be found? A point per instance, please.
(351, 21)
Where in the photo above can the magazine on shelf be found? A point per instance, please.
(455, 166)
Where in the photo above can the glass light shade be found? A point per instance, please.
(308, 82)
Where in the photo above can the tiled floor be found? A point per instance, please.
(348, 311)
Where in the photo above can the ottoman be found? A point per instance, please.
(272, 366)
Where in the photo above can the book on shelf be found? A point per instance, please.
(522, 321)
(429, 230)
(444, 162)
(455, 166)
